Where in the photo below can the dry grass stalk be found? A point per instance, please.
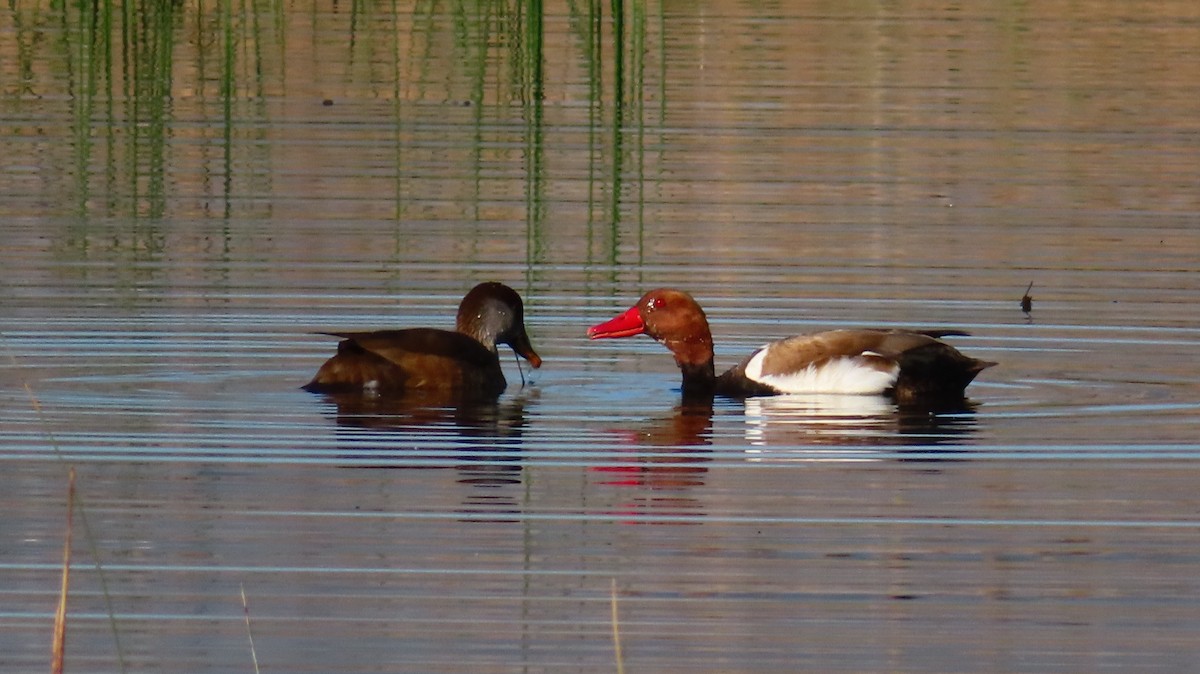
(616, 630)
(58, 647)
(249, 635)
(60, 617)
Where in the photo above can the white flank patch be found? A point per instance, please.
(849, 375)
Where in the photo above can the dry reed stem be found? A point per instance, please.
(87, 532)
(616, 630)
(249, 635)
(58, 647)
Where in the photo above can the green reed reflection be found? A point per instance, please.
(123, 96)
(123, 81)
(532, 99)
(464, 112)
(500, 50)
(228, 61)
(628, 82)
(613, 108)
(91, 62)
(151, 56)
(617, 134)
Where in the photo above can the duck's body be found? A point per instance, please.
(464, 361)
(909, 366)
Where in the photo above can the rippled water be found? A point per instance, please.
(184, 205)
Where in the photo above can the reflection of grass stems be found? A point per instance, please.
(58, 647)
(27, 37)
(532, 84)
(87, 530)
(618, 125)
(87, 47)
(147, 56)
(426, 10)
(157, 96)
(83, 92)
(616, 630)
(475, 32)
(227, 68)
(111, 128)
(128, 79)
(595, 110)
(638, 57)
(398, 117)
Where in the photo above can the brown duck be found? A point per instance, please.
(463, 362)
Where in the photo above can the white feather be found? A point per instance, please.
(848, 375)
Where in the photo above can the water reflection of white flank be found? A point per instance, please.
(816, 420)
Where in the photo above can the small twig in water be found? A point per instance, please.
(1026, 300)
(249, 635)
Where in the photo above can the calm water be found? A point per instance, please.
(188, 192)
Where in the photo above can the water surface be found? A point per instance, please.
(186, 203)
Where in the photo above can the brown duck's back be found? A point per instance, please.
(415, 358)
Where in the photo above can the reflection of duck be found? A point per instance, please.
(464, 362)
(479, 439)
(671, 470)
(440, 410)
(689, 425)
(853, 422)
(911, 367)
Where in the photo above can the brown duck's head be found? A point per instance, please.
(493, 313)
(669, 316)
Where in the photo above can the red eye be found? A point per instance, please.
(655, 303)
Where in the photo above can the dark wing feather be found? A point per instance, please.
(397, 345)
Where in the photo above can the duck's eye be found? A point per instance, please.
(655, 303)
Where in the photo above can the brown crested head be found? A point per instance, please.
(673, 316)
(670, 316)
(493, 313)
